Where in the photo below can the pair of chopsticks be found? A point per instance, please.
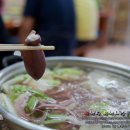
(22, 47)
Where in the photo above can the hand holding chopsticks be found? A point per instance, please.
(21, 47)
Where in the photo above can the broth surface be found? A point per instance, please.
(65, 97)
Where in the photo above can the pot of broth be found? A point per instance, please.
(73, 93)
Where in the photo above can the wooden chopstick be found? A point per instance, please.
(11, 44)
(14, 47)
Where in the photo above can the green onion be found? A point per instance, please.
(31, 104)
(19, 89)
(68, 73)
(56, 118)
(53, 122)
(100, 107)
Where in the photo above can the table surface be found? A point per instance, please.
(115, 53)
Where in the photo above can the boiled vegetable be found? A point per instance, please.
(56, 118)
(31, 104)
(68, 73)
(6, 103)
(19, 89)
(101, 107)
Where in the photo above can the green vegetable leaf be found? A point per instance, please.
(56, 118)
(31, 104)
(99, 107)
(19, 89)
(45, 84)
(68, 73)
(53, 122)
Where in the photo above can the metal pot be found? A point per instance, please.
(16, 123)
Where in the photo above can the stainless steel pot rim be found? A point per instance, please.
(21, 122)
(32, 126)
(75, 58)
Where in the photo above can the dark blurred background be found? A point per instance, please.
(98, 28)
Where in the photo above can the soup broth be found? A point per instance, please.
(65, 97)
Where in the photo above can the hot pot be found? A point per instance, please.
(16, 123)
